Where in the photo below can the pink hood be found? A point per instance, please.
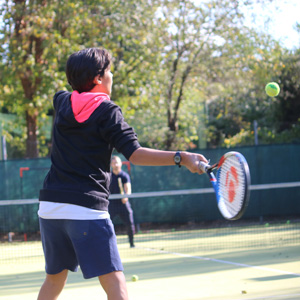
(84, 104)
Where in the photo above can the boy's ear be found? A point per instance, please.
(97, 80)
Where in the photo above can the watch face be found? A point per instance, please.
(177, 159)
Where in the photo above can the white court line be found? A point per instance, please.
(270, 297)
(223, 262)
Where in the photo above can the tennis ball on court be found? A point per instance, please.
(272, 89)
(135, 278)
(288, 222)
(267, 224)
(244, 292)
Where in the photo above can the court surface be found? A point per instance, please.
(177, 266)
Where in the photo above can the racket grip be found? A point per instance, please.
(203, 166)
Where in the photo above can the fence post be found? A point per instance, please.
(255, 133)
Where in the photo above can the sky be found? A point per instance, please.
(283, 14)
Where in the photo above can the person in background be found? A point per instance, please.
(121, 184)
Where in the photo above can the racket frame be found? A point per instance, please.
(208, 169)
(121, 185)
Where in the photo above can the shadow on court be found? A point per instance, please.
(273, 278)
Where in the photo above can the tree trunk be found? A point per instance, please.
(31, 142)
(173, 128)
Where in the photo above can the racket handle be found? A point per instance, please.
(203, 166)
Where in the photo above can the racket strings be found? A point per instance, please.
(231, 186)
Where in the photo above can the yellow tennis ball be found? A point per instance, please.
(272, 89)
(135, 278)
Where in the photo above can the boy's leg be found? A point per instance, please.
(114, 284)
(53, 286)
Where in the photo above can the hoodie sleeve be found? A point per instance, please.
(118, 133)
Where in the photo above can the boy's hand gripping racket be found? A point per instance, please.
(231, 184)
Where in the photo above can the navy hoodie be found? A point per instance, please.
(82, 149)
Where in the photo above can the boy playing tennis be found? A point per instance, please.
(75, 226)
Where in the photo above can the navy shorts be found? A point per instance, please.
(90, 244)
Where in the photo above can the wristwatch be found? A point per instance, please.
(177, 158)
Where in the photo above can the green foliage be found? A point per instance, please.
(244, 100)
(287, 110)
(186, 73)
(38, 36)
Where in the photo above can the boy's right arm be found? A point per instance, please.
(151, 157)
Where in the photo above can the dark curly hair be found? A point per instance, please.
(83, 66)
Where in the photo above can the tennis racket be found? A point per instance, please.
(231, 184)
(120, 185)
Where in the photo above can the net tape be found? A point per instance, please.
(267, 186)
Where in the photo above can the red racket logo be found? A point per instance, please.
(231, 183)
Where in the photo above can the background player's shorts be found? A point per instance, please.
(91, 244)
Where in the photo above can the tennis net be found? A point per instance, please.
(185, 221)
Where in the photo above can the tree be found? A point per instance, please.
(34, 40)
(288, 104)
(37, 36)
(202, 58)
(182, 69)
